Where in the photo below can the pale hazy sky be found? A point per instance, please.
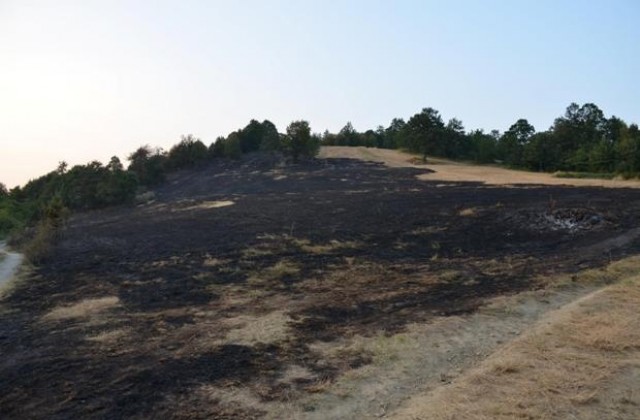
(83, 80)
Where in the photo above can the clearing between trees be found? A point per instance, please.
(335, 288)
(446, 170)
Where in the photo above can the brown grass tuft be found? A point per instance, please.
(83, 309)
(250, 330)
(467, 212)
(277, 272)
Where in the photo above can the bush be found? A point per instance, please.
(8, 222)
(189, 152)
(39, 246)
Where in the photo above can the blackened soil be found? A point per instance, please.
(390, 250)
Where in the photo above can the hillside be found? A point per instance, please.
(334, 288)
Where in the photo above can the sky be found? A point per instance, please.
(84, 80)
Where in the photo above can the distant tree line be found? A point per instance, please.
(582, 140)
(95, 185)
(150, 165)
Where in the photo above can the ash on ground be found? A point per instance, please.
(571, 220)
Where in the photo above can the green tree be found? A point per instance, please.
(540, 152)
(513, 141)
(232, 146)
(347, 136)
(187, 153)
(394, 135)
(483, 147)
(424, 133)
(370, 138)
(576, 133)
(148, 164)
(299, 141)
(115, 165)
(251, 136)
(216, 149)
(271, 140)
(456, 142)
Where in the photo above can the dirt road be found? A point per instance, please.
(448, 171)
(9, 263)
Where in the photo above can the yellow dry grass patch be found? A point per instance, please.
(333, 246)
(110, 337)
(210, 261)
(467, 212)
(83, 309)
(429, 230)
(274, 243)
(614, 272)
(275, 273)
(295, 373)
(570, 366)
(206, 205)
(231, 397)
(250, 330)
(449, 171)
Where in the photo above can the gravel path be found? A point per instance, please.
(9, 263)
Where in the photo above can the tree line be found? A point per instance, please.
(95, 185)
(582, 140)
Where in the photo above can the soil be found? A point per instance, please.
(345, 248)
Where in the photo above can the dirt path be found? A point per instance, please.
(459, 172)
(9, 263)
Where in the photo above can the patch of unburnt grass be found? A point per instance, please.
(86, 308)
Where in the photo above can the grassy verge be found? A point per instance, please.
(582, 361)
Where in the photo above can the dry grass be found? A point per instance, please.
(273, 243)
(430, 230)
(210, 261)
(333, 246)
(231, 397)
(459, 172)
(207, 205)
(84, 309)
(278, 272)
(467, 212)
(295, 373)
(250, 330)
(257, 251)
(614, 272)
(39, 247)
(569, 366)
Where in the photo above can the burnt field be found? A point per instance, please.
(217, 297)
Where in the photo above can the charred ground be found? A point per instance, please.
(137, 311)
